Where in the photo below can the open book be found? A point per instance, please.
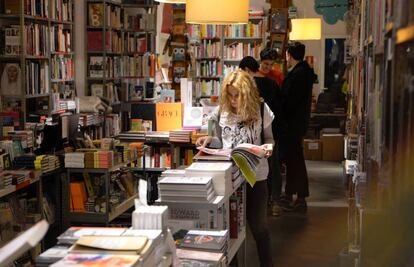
(246, 156)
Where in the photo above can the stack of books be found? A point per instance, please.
(132, 136)
(75, 160)
(150, 217)
(47, 163)
(6, 180)
(90, 160)
(186, 189)
(173, 173)
(189, 257)
(104, 159)
(221, 172)
(180, 136)
(90, 119)
(196, 135)
(25, 161)
(107, 246)
(25, 137)
(206, 240)
(52, 255)
(157, 136)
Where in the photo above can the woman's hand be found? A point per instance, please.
(268, 148)
(203, 141)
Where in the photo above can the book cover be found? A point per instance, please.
(96, 14)
(110, 244)
(167, 96)
(102, 260)
(145, 111)
(168, 116)
(71, 235)
(193, 117)
(214, 240)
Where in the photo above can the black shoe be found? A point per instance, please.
(300, 205)
(285, 202)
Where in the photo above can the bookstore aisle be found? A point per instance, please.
(314, 239)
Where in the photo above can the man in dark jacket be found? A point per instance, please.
(297, 95)
(272, 95)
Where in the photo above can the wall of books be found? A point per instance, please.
(379, 128)
(36, 55)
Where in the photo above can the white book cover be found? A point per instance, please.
(193, 116)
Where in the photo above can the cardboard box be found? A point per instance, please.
(312, 149)
(332, 147)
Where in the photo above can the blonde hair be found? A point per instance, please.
(249, 99)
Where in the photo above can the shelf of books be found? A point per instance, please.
(96, 188)
(120, 50)
(379, 74)
(36, 55)
(206, 51)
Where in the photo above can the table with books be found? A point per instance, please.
(206, 204)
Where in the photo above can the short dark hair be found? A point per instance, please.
(296, 50)
(268, 54)
(249, 62)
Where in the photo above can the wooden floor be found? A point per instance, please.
(313, 239)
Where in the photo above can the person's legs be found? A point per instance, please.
(296, 171)
(256, 217)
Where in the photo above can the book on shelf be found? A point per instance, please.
(193, 117)
(11, 40)
(96, 14)
(168, 116)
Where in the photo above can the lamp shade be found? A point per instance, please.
(306, 29)
(172, 1)
(217, 11)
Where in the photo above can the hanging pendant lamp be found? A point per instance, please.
(217, 11)
(172, 1)
(306, 29)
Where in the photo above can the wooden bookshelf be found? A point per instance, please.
(31, 35)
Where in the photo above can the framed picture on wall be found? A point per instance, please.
(278, 20)
(334, 62)
(278, 43)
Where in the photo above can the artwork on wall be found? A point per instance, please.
(334, 62)
(278, 20)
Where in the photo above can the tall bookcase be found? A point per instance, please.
(217, 50)
(381, 115)
(120, 50)
(36, 55)
(243, 40)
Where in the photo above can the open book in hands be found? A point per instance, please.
(246, 156)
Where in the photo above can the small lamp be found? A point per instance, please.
(172, 1)
(306, 29)
(217, 11)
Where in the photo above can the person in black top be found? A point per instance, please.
(297, 95)
(271, 94)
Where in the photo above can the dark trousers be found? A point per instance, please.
(274, 179)
(296, 174)
(256, 212)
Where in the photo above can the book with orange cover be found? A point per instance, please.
(169, 116)
(79, 196)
